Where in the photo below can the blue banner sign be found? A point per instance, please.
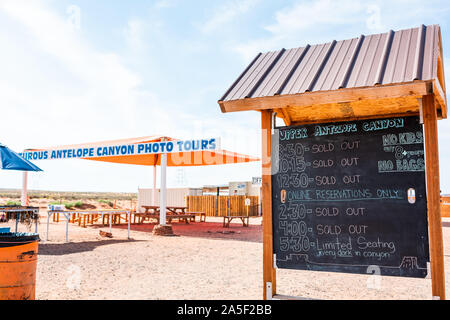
(125, 149)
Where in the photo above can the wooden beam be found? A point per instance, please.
(417, 88)
(393, 115)
(269, 272)
(433, 197)
(440, 98)
(282, 113)
(356, 109)
(441, 73)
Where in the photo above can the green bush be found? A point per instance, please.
(108, 202)
(68, 205)
(13, 203)
(78, 204)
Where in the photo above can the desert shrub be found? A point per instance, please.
(69, 205)
(13, 203)
(108, 202)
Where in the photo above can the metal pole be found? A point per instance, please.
(217, 201)
(48, 221)
(110, 222)
(129, 218)
(67, 228)
(24, 188)
(154, 186)
(260, 202)
(36, 220)
(163, 190)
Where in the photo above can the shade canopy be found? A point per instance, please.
(147, 151)
(9, 160)
(182, 159)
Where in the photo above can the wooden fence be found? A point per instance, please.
(235, 205)
(223, 205)
(445, 207)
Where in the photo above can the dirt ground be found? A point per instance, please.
(203, 261)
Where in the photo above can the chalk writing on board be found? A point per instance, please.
(342, 199)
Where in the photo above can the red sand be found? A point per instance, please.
(214, 230)
(199, 263)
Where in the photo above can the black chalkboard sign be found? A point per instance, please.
(351, 197)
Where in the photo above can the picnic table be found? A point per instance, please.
(20, 213)
(177, 209)
(151, 209)
(173, 212)
(228, 219)
(79, 215)
(170, 209)
(151, 212)
(201, 214)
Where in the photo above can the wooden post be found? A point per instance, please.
(269, 272)
(154, 184)
(217, 201)
(433, 197)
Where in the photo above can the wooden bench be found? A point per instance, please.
(145, 216)
(185, 217)
(169, 217)
(198, 213)
(90, 217)
(228, 219)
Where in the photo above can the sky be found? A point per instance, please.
(83, 71)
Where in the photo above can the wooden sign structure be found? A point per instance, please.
(394, 75)
(350, 197)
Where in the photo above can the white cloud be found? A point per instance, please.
(227, 13)
(319, 21)
(164, 4)
(373, 21)
(73, 83)
(58, 88)
(303, 23)
(134, 32)
(305, 15)
(140, 34)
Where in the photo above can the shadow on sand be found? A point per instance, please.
(210, 230)
(56, 249)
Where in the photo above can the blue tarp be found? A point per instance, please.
(9, 160)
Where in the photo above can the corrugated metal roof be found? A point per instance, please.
(380, 59)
